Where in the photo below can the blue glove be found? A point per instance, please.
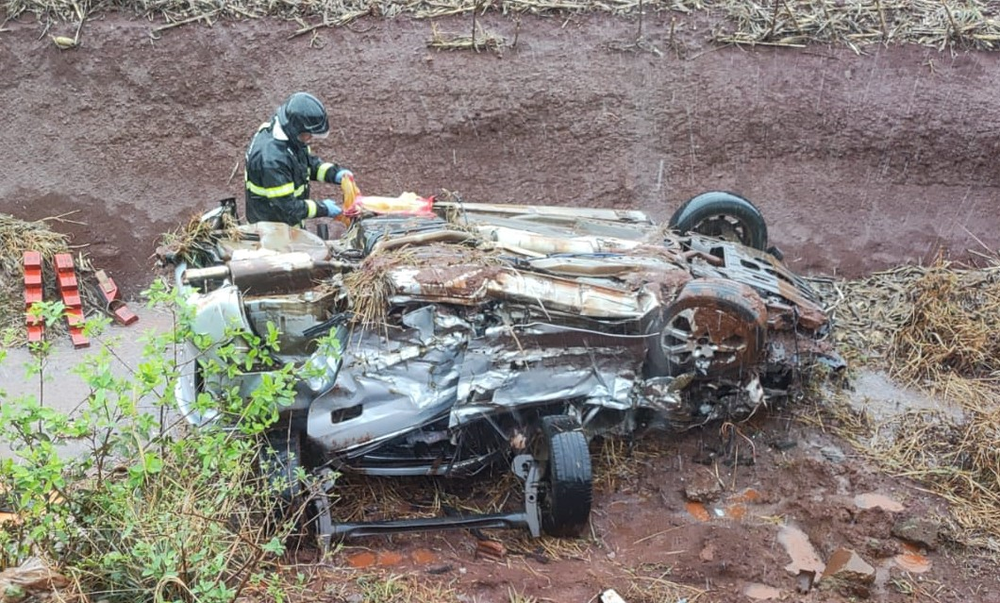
(341, 174)
(331, 207)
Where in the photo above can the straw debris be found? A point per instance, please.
(943, 24)
(198, 239)
(933, 328)
(16, 237)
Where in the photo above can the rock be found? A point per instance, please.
(849, 574)
(783, 445)
(707, 553)
(833, 454)
(762, 592)
(703, 488)
(846, 564)
(917, 530)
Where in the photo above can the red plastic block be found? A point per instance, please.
(33, 293)
(116, 307)
(122, 313)
(70, 291)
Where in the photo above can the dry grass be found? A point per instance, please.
(938, 23)
(370, 286)
(477, 40)
(650, 583)
(933, 328)
(16, 237)
(198, 239)
(957, 24)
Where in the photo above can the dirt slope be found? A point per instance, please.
(859, 162)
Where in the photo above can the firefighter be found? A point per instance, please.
(279, 165)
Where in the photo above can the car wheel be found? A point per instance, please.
(566, 489)
(722, 215)
(714, 327)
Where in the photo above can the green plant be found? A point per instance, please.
(150, 510)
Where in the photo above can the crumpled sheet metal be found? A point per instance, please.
(472, 285)
(792, 302)
(416, 376)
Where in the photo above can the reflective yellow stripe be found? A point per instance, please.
(321, 172)
(312, 208)
(275, 191)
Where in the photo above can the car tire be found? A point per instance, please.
(724, 215)
(567, 491)
(714, 327)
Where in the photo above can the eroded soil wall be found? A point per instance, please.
(858, 162)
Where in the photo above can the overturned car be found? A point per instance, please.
(480, 334)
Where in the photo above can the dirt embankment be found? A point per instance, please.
(859, 162)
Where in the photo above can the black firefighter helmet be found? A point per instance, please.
(303, 113)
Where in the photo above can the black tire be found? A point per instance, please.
(714, 327)
(567, 489)
(723, 215)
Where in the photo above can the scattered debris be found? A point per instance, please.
(490, 549)
(872, 500)
(804, 581)
(704, 488)
(800, 549)
(115, 307)
(33, 577)
(917, 530)
(611, 596)
(848, 565)
(762, 592)
(912, 560)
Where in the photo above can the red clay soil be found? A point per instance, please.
(859, 163)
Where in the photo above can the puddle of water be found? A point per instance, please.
(872, 500)
(912, 560)
(698, 511)
(914, 563)
(361, 560)
(387, 558)
(747, 496)
(761, 592)
(737, 512)
(423, 556)
(798, 547)
(875, 393)
(369, 559)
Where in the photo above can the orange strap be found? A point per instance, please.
(351, 192)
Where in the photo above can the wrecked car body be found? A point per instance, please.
(487, 334)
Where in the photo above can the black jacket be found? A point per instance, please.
(277, 179)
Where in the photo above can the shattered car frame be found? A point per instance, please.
(488, 334)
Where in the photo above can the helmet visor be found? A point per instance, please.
(321, 136)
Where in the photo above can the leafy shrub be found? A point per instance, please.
(149, 510)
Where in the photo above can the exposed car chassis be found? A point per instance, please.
(504, 333)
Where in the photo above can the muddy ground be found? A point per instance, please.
(858, 162)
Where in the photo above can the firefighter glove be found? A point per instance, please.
(341, 174)
(331, 207)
